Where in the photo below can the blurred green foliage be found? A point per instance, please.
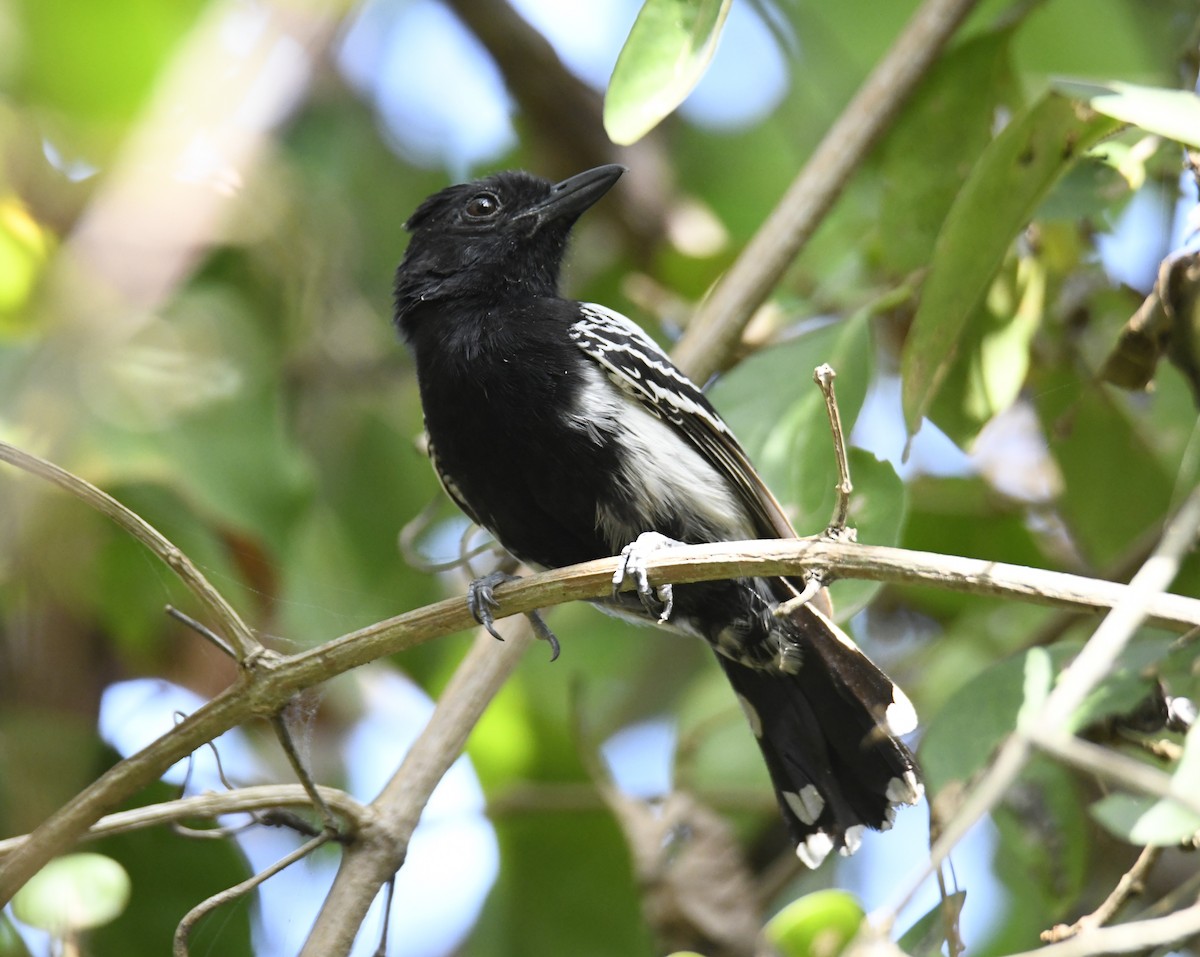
(256, 407)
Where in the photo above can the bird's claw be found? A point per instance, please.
(543, 632)
(658, 601)
(481, 601)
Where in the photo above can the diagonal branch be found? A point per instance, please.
(229, 620)
(260, 797)
(718, 323)
(369, 863)
(1044, 725)
(271, 680)
(268, 680)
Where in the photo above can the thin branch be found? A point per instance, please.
(1134, 937)
(245, 800)
(270, 681)
(372, 861)
(823, 376)
(1090, 667)
(191, 918)
(717, 325)
(267, 680)
(229, 621)
(288, 743)
(1112, 766)
(1098, 657)
(202, 630)
(1129, 884)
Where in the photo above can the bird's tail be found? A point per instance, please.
(829, 730)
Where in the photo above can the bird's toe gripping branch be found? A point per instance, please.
(481, 601)
(658, 601)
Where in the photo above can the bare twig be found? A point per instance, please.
(245, 800)
(1113, 766)
(207, 906)
(374, 859)
(267, 686)
(1129, 884)
(231, 623)
(287, 742)
(717, 326)
(202, 630)
(268, 681)
(1133, 937)
(823, 376)
(1044, 725)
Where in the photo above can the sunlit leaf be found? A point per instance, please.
(995, 203)
(1174, 114)
(23, 248)
(73, 893)
(987, 374)
(1143, 820)
(816, 925)
(666, 53)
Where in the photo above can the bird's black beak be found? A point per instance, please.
(568, 199)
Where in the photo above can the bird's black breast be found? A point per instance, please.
(494, 391)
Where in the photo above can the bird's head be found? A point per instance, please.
(505, 232)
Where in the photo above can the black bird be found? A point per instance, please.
(566, 432)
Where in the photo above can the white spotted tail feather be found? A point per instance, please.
(830, 735)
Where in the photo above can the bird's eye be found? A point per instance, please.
(482, 205)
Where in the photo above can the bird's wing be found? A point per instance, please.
(643, 371)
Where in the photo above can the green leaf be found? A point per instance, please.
(940, 133)
(1039, 679)
(986, 376)
(816, 925)
(666, 53)
(1173, 114)
(999, 197)
(961, 738)
(926, 937)
(1044, 842)
(1143, 820)
(73, 893)
(1108, 453)
(97, 60)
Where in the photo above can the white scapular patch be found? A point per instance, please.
(901, 716)
(662, 473)
(814, 849)
(853, 839)
(906, 789)
(807, 803)
(756, 725)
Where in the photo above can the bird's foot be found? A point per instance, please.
(658, 601)
(481, 601)
(814, 581)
